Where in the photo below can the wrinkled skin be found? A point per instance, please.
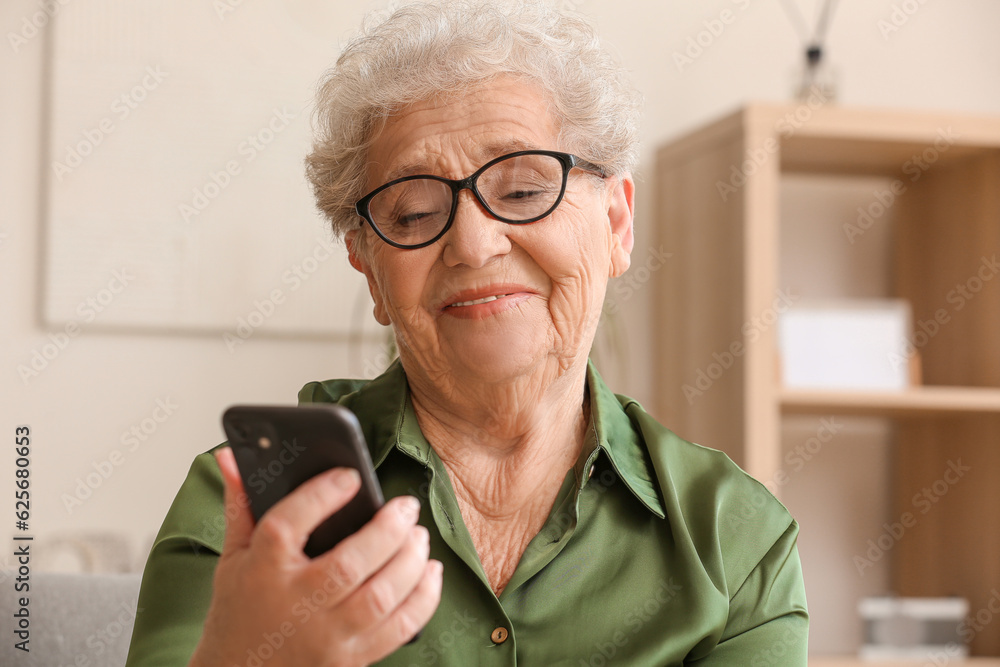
(498, 388)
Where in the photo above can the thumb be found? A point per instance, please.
(239, 520)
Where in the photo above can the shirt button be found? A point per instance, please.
(499, 635)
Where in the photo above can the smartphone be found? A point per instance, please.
(278, 448)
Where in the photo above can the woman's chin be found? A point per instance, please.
(496, 362)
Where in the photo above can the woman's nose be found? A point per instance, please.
(475, 237)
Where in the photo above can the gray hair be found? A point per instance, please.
(443, 47)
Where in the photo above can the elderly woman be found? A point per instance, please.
(477, 161)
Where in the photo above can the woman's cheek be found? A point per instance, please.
(573, 311)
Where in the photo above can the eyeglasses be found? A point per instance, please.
(518, 188)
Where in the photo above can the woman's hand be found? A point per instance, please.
(351, 606)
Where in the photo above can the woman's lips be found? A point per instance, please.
(476, 304)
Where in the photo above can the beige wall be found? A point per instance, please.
(944, 57)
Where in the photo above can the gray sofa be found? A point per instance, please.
(75, 619)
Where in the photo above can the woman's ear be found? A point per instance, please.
(361, 262)
(621, 212)
(353, 256)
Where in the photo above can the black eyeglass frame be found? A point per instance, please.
(567, 160)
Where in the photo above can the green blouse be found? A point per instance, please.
(656, 552)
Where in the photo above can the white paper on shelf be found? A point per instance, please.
(858, 344)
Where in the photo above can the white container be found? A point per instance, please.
(913, 628)
(849, 344)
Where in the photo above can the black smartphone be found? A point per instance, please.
(278, 448)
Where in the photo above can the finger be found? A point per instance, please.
(239, 520)
(408, 618)
(289, 523)
(350, 563)
(378, 597)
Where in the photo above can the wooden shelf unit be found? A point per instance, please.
(719, 216)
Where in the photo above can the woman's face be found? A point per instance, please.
(548, 277)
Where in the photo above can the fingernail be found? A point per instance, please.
(409, 509)
(437, 569)
(345, 478)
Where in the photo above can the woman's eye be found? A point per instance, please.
(523, 194)
(525, 189)
(410, 219)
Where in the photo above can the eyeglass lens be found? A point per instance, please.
(516, 189)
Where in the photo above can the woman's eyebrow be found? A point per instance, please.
(497, 148)
(484, 153)
(408, 169)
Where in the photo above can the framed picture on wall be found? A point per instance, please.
(175, 195)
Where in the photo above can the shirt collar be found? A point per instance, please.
(621, 441)
(380, 405)
(387, 418)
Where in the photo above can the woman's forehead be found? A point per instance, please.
(461, 133)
